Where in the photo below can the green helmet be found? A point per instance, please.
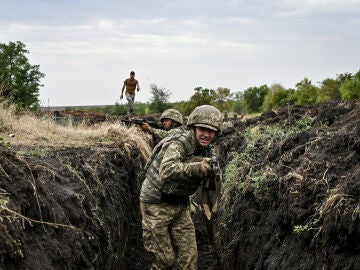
(172, 114)
(206, 116)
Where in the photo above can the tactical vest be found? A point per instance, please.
(182, 189)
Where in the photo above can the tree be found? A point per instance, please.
(350, 88)
(329, 90)
(277, 97)
(202, 96)
(160, 98)
(306, 93)
(238, 105)
(19, 80)
(254, 98)
(222, 96)
(342, 77)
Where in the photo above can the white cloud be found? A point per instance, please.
(86, 53)
(106, 25)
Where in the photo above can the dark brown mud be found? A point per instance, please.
(78, 208)
(305, 214)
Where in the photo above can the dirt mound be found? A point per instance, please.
(295, 203)
(67, 209)
(291, 199)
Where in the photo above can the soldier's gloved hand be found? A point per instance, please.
(205, 167)
(145, 127)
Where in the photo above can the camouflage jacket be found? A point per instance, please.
(159, 134)
(173, 170)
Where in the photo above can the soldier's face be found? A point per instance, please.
(167, 123)
(204, 136)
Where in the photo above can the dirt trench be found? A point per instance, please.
(77, 208)
(68, 209)
(304, 212)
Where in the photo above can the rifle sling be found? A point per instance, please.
(205, 198)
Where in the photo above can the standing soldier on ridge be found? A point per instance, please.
(131, 84)
(178, 165)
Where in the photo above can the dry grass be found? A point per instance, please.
(34, 131)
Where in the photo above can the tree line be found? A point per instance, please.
(20, 83)
(264, 98)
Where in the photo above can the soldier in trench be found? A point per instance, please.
(177, 166)
(171, 120)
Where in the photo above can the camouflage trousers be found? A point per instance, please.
(131, 99)
(169, 233)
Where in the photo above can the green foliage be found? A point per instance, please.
(119, 109)
(184, 107)
(329, 90)
(303, 123)
(35, 151)
(278, 96)
(350, 88)
(19, 80)
(4, 200)
(306, 93)
(341, 78)
(202, 96)
(4, 143)
(238, 105)
(141, 108)
(242, 171)
(254, 98)
(223, 96)
(159, 100)
(310, 226)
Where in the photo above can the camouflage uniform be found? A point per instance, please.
(159, 134)
(173, 174)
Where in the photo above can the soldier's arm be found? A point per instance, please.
(173, 168)
(122, 90)
(158, 134)
(125, 83)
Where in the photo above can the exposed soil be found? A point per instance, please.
(78, 208)
(312, 182)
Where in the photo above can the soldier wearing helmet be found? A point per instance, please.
(171, 119)
(178, 165)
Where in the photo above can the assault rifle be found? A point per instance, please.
(153, 124)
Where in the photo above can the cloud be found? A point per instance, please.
(87, 48)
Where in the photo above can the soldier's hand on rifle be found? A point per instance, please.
(145, 126)
(205, 167)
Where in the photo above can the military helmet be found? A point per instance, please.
(206, 116)
(172, 114)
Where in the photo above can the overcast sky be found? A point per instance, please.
(87, 48)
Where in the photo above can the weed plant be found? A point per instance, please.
(246, 170)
